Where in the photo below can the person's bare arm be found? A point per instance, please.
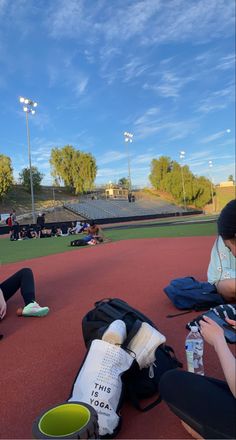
(214, 335)
(227, 288)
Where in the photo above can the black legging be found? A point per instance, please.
(23, 280)
(205, 404)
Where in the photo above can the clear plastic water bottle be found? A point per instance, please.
(194, 351)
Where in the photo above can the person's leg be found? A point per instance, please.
(205, 404)
(16, 232)
(23, 280)
(227, 288)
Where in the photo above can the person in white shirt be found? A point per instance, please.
(222, 266)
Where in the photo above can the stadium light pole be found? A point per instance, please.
(210, 163)
(128, 139)
(29, 107)
(182, 157)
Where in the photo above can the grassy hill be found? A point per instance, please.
(20, 200)
(223, 196)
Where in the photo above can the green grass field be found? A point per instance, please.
(12, 251)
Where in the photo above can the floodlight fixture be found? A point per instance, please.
(128, 136)
(128, 139)
(210, 163)
(29, 107)
(182, 157)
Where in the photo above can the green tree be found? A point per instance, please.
(36, 178)
(77, 170)
(202, 187)
(6, 175)
(124, 182)
(231, 178)
(172, 182)
(159, 168)
(170, 177)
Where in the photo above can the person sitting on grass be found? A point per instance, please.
(222, 266)
(23, 280)
(94, 232)
(206, 406)
(80, 226)
(46, 233)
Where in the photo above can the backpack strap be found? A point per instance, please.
(135, 402)
(132, 332)
(122, 309)
(171, 351)
(178, 314)
(110, 312)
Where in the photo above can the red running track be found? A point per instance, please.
(41, 356)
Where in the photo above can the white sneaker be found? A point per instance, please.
(34, 309)
(116, 332)
(145, 343)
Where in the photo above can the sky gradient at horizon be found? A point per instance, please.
(160, 69)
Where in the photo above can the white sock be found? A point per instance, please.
(116, 332)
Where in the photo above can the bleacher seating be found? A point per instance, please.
(102, 209)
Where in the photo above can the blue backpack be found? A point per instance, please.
(190, 294)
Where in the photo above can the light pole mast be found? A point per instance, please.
(128, 138)
(29, 107)
(210, 163)
(182, 157)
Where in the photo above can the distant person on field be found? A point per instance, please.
(23, 280)
(15, 226)
(222, 266)
(40, 223)
(80, 226)
(94, 232)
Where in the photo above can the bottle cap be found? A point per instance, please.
(194, 328)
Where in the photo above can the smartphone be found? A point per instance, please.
(229, 331)
(230, 327)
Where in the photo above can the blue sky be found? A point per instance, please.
(161, 69)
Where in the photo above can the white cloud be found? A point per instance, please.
(66, 18)
(143, 158)
(170, 84)
(153, 21)
(80, 85)
(199, 155)
(111, 156)
(217, 100)
(110, 173)
(226, 62)
(151, 123)
(215, 136)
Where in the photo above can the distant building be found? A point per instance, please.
(116, 192)
(226, 184)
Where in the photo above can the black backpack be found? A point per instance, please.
(79, 242)
(138, 384)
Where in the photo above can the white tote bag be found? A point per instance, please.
(99, 383)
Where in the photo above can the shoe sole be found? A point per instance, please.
(37, 314)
